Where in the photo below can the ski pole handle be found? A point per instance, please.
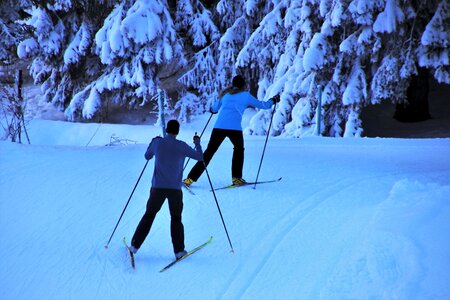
(201, 134)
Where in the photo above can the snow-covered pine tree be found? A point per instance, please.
(434, 48)
(346, 89)
(338, 54)
(60, 46)
(238, 20)
(362, 52)
(294, 77)
(194, 22)
(260, 54)
(201, 79)
(136, 45)
(280, 46)
(298, 92)
(10, 31)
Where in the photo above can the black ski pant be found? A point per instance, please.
(154, 204)
(217, 137)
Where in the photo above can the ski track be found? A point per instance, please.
(379, 259)
(274, 238)
(241, 281)
(376, 263)
(69, 217)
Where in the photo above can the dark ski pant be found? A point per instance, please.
(154, 204)
(217, 137)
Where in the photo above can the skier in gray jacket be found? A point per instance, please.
(169, 156)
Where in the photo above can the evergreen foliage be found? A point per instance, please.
(10, 33)
(358, 52)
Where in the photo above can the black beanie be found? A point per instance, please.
(238, 81)
(173, 127)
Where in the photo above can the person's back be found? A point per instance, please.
(169, 159)
(169, 156)
(231, 108)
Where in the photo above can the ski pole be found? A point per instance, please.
(204, 128)
(121, 215)
(265, 144)
(218, 207)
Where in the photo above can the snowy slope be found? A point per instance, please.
(352, 218)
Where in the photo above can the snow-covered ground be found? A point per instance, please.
(351, 219)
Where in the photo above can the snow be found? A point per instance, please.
(142, 13)
(109, 40)
(363, 218)
(388, 19)
(348, 45)
(314, 57)
(356, 90)
(337, 14)
(91, 104)
(26, 47)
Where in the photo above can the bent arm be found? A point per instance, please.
(194, 153)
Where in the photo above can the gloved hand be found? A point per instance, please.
(211, 111)
(196, 139)
(276, 99)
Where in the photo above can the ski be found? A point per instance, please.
(186, 255)
(130, 253)
(246, 184)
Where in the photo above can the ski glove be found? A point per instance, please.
(276, 99)
(196, 139)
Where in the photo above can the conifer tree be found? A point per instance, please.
(136, 41)
(434, 48)
(357, 52)
(195, 22)
(60, 47)
(361, 52)
(10, 31)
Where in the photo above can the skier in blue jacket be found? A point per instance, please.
(169, 156)
(231, 106)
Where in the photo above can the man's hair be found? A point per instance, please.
(173, 127)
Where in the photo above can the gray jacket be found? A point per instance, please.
(169, 159)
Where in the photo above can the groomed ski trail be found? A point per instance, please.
(318, 210)
(290, 223)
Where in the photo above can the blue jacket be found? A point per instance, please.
(169, 159)
(231, 109)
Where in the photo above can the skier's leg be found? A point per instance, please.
(176, 225)
(237, 164)
(154, 203)
(217, 137)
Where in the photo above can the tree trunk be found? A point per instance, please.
(415, 109)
